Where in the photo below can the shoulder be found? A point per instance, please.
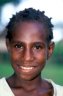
(4, 88)
(2, 80)
(3, 84)
(58, 90)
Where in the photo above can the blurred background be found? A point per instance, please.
(52, 8)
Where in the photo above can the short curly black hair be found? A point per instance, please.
(30, 14)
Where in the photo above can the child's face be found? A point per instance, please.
(28, 50)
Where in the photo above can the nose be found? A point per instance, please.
(28, 56)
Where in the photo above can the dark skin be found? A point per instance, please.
(29, 51)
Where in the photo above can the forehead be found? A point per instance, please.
(29, 31)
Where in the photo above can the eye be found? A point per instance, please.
(18, 46)
(38, 46)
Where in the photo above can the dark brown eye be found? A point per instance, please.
(37, 46)
(18, 46)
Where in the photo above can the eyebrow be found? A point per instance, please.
(41, 43)
(15, 42)
(32, 43)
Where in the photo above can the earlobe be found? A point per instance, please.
(50, 49)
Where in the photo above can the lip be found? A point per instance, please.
(25, 69)
(28, 64)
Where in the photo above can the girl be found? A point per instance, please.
(29, 43)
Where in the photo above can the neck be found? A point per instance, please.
(27, 85)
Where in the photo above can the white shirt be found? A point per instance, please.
(5, 89)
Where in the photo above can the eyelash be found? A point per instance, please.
(38, 47)
(34, 47)
(18, 46)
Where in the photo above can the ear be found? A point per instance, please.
(50, 49)
(7, 44)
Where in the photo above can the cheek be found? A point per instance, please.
(41, 57)
(14, 55)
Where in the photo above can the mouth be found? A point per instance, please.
(25, 69)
